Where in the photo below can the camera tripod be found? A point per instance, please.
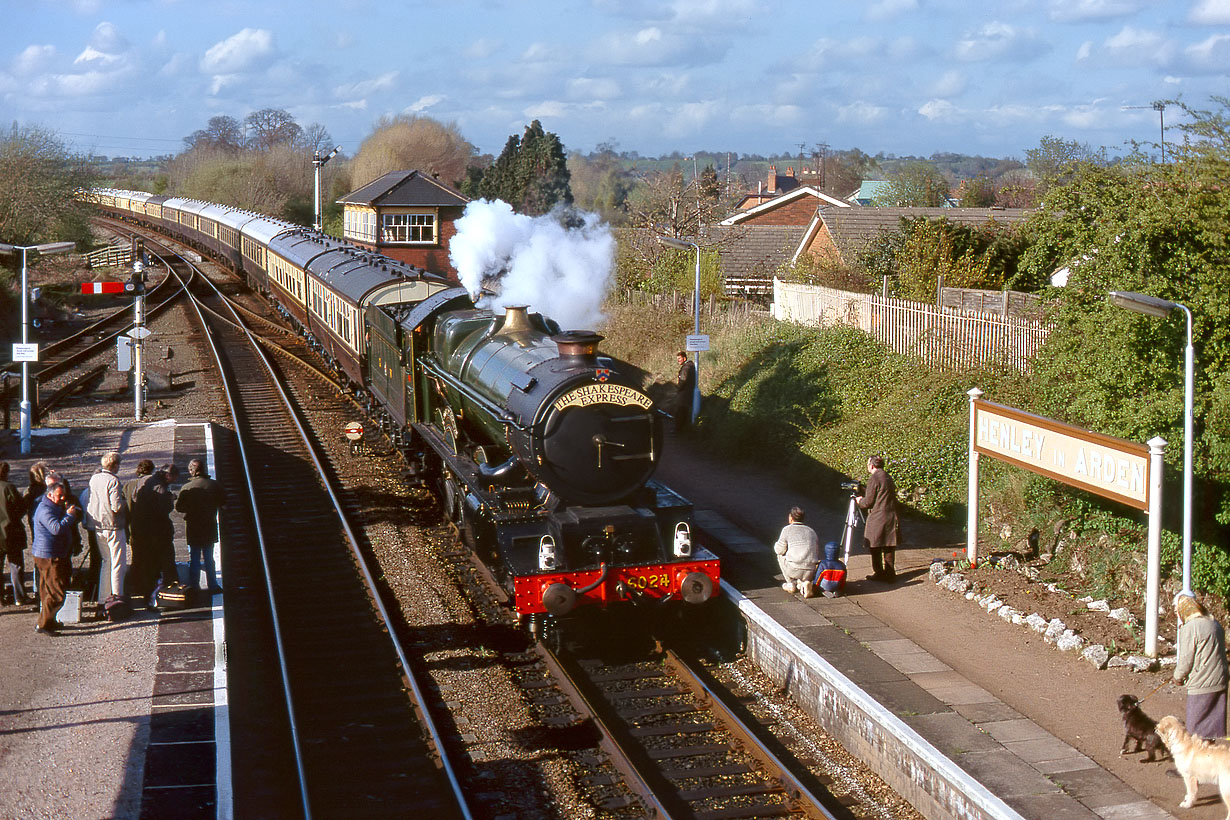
(854, 520)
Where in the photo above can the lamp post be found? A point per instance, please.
(317, 163)
(682, 244)
(46, 248)
(1161, 308)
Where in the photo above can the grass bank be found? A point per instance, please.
(813, 403)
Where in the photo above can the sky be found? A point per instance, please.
(899, 77)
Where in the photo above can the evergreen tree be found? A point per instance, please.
(531, 173)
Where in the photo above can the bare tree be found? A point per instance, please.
(316, 139)
(271, 126)
(407, 143)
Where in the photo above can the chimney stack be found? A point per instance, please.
(772, 186)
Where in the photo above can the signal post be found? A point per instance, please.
(134, 341)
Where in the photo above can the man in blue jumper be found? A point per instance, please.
(53, 553)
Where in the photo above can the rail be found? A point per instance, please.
(254, 467)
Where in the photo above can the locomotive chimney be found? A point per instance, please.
(516, 321)
(577, 343)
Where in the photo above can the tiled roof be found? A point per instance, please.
(823, 200)
(754, 250)
(852, 228)
(405, 188)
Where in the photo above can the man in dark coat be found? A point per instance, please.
(156, 502)
(883, 530)
(142, 525)
(12, 509)
(685, 387)
(199, 501)
(54, 523)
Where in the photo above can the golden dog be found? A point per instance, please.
(1198, 760)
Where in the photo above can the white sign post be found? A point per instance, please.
(25, 352)
(1111, 467)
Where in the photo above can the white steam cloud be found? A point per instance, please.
(560, 265)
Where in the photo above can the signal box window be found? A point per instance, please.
(409, 228)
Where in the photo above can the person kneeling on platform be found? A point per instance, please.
(798, 554)
(831, 574)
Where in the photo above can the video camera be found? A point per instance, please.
(852, 486)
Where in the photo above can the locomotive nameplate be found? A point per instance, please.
(603, 393)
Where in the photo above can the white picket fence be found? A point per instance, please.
(942, 337)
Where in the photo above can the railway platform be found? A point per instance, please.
(1036, 726)
(122, 720)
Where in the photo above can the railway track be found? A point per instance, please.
(59, 373)
(330, 727)
(664, 727)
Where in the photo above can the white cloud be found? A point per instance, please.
(1212, 56)
(33, 59)
(884, 10)
(938, 110)
(1085, 116)
(1211, 12)
(950, 84)
(365, 88)
(593, 88)
(245, 51)
(999, 41)
(221, 82)
(546, 110)
(652, 46)
(98, 58)
(537, 53)
(107, 39)
(722, 12)
(862, 113)
(1134, 46)
(1072, 11)
(423, 103)
(482, 48)
(1082, 53)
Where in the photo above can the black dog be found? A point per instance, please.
(1139, 727)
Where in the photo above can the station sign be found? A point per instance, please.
(698, 342)
(1109, 466)
(23, 352)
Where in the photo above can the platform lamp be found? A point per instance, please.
(1161, 308)
(45, 248)
(684, 245)
(317, 163)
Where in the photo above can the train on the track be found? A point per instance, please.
(542, 449)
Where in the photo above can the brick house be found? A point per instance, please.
(405, 215)
(752, 243)
(842, 233)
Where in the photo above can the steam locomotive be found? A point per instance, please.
(541, 448)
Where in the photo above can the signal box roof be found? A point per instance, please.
(405, 189)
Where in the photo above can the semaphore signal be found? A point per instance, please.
(102, 287)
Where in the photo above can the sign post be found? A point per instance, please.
(1114, 468)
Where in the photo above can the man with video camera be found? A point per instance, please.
(883, 530)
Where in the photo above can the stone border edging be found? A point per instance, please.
(932, 783)
(1053, 631)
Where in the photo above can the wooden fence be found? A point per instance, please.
(110, 256)
(712, 310)
(942, 337)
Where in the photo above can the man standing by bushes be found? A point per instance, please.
(883, 530)
(685, 386)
